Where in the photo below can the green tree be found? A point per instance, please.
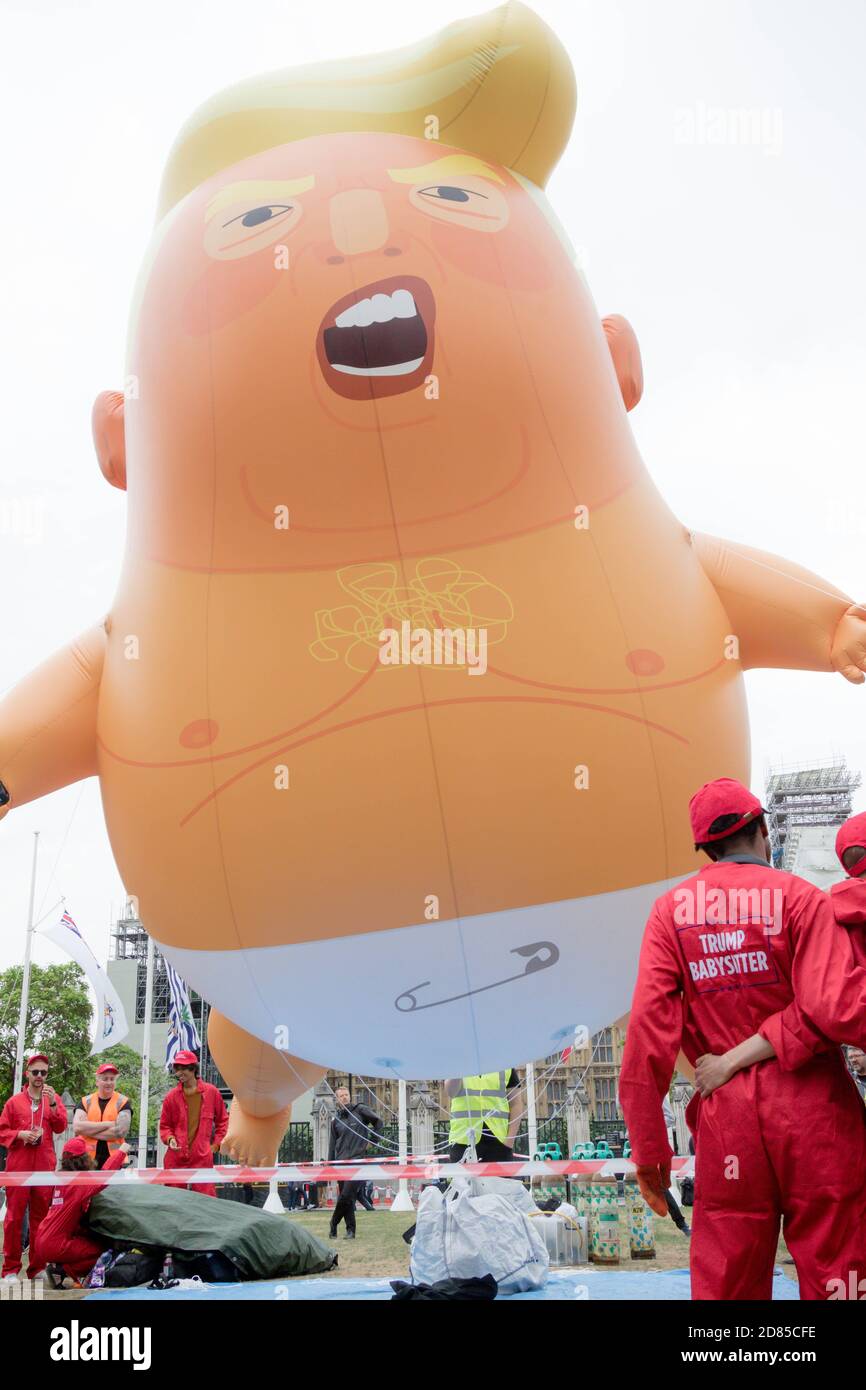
(59, 1016)
(59, 1023)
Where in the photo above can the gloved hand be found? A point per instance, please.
(654, 1179)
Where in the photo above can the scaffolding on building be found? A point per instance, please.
(806, 794)
(128, 941)
(128, 937)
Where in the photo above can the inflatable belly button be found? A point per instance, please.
(405, 630)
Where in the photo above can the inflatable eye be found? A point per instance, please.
(478, 204)
(454, 195)
(242, 230)
(259, 215)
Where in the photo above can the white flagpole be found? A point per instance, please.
(532, 1122)
(145, 1060)
(25, 982)
(402, 1202)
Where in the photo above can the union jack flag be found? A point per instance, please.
(111, 1024)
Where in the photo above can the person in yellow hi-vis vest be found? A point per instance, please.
(103, 1118)
(485, 1110)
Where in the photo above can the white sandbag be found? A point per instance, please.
(519, 1196)
(461, 1235)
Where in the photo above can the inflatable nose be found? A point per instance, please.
(359, 221)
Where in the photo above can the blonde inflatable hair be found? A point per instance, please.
(499, 85)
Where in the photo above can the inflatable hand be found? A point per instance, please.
(653, 1179)
(253, 1139)
(624, 349)
(848, 653)
(109, 437)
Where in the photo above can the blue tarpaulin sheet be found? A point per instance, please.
(562, 1285)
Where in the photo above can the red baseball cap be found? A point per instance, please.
(106, 1067)
(724, 797)
(184, 1059)
(74, 1147)
(38, 1057)
(852, 832)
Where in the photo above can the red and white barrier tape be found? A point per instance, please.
(368, 1171)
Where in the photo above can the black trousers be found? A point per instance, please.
(675, 1214)
(488, 1150)
(345, 1208)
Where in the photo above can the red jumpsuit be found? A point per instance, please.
(212, 1126)
(63, 1239)
(715, 968)
(17, 1115)
(848, 900)
(795, 1039)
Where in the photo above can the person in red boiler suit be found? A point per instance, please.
(742, 957)
(848, 898)
(63, 1239)
(27, 1124)
(193, 1122)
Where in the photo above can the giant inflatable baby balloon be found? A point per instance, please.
(411, 671)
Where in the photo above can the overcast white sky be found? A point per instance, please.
(739, 264)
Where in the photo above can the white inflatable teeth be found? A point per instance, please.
(381, 308)
(396, 369)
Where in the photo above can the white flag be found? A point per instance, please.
(182, 1032)
(111, 1024)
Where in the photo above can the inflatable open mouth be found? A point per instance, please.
(378, 340)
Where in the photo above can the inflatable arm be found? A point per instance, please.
(264, 1082)
(48, 722)
(783, 615)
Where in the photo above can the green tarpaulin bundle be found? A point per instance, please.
(157, 1217)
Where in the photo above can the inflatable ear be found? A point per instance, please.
(623, 344)
(107, 421)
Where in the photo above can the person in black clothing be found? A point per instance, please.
(352, 1128)
(675, 1214)
(364, 1196)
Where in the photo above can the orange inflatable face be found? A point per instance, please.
(356, 346)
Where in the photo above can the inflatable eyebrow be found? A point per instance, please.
(405, 635)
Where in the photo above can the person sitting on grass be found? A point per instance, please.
(63, 1241)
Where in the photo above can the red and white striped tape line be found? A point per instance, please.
(369, 1171)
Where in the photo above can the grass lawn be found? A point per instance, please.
(379, 1250)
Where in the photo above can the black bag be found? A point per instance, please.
(133, 1267)
(211, 1266)
(445, 1290)
(687, 1192)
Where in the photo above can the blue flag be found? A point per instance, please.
(182, 1032)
